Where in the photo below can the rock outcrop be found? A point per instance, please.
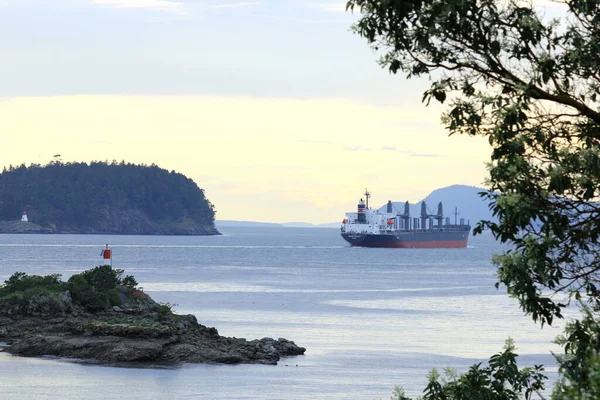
(138, 331)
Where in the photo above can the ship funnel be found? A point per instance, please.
(361, 212)
(389, 207)
(361, 206)
(406, 209)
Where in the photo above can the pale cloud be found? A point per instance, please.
(309, 141)
(165, 5)
(236, 5)
(244, 151)
(395, 150)
(292, 19)
(426, 155)
(339, 6)
(357, 148)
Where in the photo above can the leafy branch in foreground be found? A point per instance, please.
(580, 365)
(531, 86)
(500, 380)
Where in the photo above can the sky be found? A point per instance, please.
(273, 107)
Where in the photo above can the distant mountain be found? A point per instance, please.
(298, 225)
(470, 205)
(330, 225)
(227, 223)
(100, 197)
(309, 225)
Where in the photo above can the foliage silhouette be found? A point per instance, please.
(531, 86)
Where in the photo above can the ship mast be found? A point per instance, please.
(455, 215)
(367, 195)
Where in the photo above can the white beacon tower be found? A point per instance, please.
(24, 217)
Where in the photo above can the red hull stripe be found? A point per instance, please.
(446, 244)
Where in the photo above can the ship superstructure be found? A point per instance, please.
(373, 228)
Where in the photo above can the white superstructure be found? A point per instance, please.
(366, 220)
(375, 228)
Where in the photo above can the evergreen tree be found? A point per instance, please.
(83, 196)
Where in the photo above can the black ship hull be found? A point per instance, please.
(411, 239)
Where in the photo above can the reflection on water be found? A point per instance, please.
(369, 318)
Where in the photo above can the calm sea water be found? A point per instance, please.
(369, 318)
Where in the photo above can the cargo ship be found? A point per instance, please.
(373, 228)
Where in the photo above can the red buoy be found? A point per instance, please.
(106, 254)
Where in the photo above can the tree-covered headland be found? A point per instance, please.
(530, 84)
(103, 197)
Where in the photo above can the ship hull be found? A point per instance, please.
(410, 240)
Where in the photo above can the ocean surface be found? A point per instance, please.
(369, 318)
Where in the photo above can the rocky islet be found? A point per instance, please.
(139, 330)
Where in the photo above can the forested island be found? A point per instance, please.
(102, 198)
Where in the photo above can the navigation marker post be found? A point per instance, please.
(106, 254)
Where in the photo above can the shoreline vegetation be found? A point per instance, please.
(102, 316)
(24, 228)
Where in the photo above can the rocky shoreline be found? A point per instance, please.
(23, 227)
(19, 227)
(139, 331)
